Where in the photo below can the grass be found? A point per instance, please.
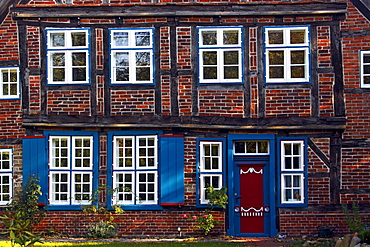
(147, 244)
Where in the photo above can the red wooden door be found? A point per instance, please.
(251, 198)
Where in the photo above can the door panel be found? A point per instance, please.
(251, 198)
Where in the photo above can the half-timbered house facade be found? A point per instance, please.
(161, 99)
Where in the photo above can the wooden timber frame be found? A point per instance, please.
(322, 127)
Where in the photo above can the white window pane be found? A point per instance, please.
(146, 187)
(124, 188)
(6, 188)
(211, 157)
(146, 152)
(208, 180)
(124, 152)
(131, 54)
(292, 188)
(59, 152)
(60, 184)
(82, 188)
(82, 149)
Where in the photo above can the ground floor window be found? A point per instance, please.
(6, 176)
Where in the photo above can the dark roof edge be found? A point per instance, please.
(363, 7)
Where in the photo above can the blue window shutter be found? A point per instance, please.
(172, 170)
(35, 162)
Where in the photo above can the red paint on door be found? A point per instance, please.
(251, 201)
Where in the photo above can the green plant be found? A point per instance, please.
(353, 220)
(102, 229)
(102, 224)
(23, 212)
(365, 235)
(206, 221)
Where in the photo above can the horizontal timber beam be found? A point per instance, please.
(173, 10)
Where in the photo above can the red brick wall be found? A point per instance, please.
(76, 102)
(303, 223)
(133, 223)
(9, 40)
(132, 102)
(358, 115)
(288, 103)
(221, 103)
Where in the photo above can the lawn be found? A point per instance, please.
(129, 244)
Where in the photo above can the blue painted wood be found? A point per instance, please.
(35, 163)
(172, 170)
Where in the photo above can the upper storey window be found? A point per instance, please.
(9, 83)
(131, 56)
(287, 52)
(68, 56)
(365, 69)
(220, 55)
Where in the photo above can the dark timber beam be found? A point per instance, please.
(335, 167)
(172, 10)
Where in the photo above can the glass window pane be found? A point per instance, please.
(13, 76)
(121, 58)
(210, 58)
(209, 37)
(296, 148)
(142, 58)
(122, 74)
(79, 74)
(58, 59)
(215, 163)
(142, 38)
(276, 72)
(297, 57)
(287, 148)
(231, 57)
(231, 72)
(263, 147)
(297, 36)
(251, 147)
(366, 69)
(288, 163)
(275, 37)
(120, 38)
(298, 72)
(142, 74)
(366, 58)
(239, 147)
(5, 75)
(79, 59)
(231, 37)
(366, 79)
(276, 57)
(78, 39)
(57, 39)
(210, 73)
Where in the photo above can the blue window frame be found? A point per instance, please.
(9, 83)
(131, 56)
(293, 172)
(6, 175)
(287, 54)
(220, 54)
(68, 170)
(68, 56)
(146, 169)
(210, 167)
